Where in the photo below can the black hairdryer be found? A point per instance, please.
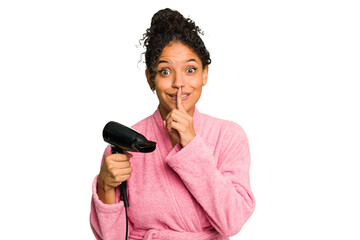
(122, 138)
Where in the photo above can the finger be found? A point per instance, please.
(122, 165)
(179, 103)
(118, 157)
(176, 116)
(174, 133)
(175, 126)
(122, 178)
(114, 167)
(117, 180)
(124, 171)
(128, 154)
(178, 98)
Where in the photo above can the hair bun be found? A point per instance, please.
(171, 21)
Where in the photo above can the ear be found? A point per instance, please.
(151, 85)
(205, 75)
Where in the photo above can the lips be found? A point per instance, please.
(184, 96)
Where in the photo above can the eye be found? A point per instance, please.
(191, 70)
(164, 72)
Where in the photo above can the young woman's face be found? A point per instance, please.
(178, 67)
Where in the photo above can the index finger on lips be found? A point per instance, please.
(178, 98)
(179, 103)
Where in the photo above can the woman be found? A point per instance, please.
(195, 185)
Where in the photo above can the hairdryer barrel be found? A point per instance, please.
(126, 138)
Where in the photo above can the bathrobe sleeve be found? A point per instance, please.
(220, 185)
(107, 220)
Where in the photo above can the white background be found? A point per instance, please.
(286, 71)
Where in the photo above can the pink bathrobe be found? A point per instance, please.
(201, 191)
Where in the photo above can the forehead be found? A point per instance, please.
(177, 52)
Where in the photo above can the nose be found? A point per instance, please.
(178, 80)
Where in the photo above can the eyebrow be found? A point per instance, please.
(190, 60)
(163, 61)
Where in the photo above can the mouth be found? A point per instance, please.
(184, 96)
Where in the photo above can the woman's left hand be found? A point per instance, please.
(179, 123)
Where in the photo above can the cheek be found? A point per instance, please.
(197, 85)
(160, 85)
(197, 81)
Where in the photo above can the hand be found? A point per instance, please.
(179, 123)
(115, 169)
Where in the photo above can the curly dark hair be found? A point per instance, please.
(166, 26)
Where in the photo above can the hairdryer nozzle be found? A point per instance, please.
(126, 138)
(144, 147)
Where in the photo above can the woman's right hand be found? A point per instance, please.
(115, 169)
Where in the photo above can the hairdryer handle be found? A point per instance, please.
(123, 185)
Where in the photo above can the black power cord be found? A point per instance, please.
(123, 192)
(127, 222)
(123, 197)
